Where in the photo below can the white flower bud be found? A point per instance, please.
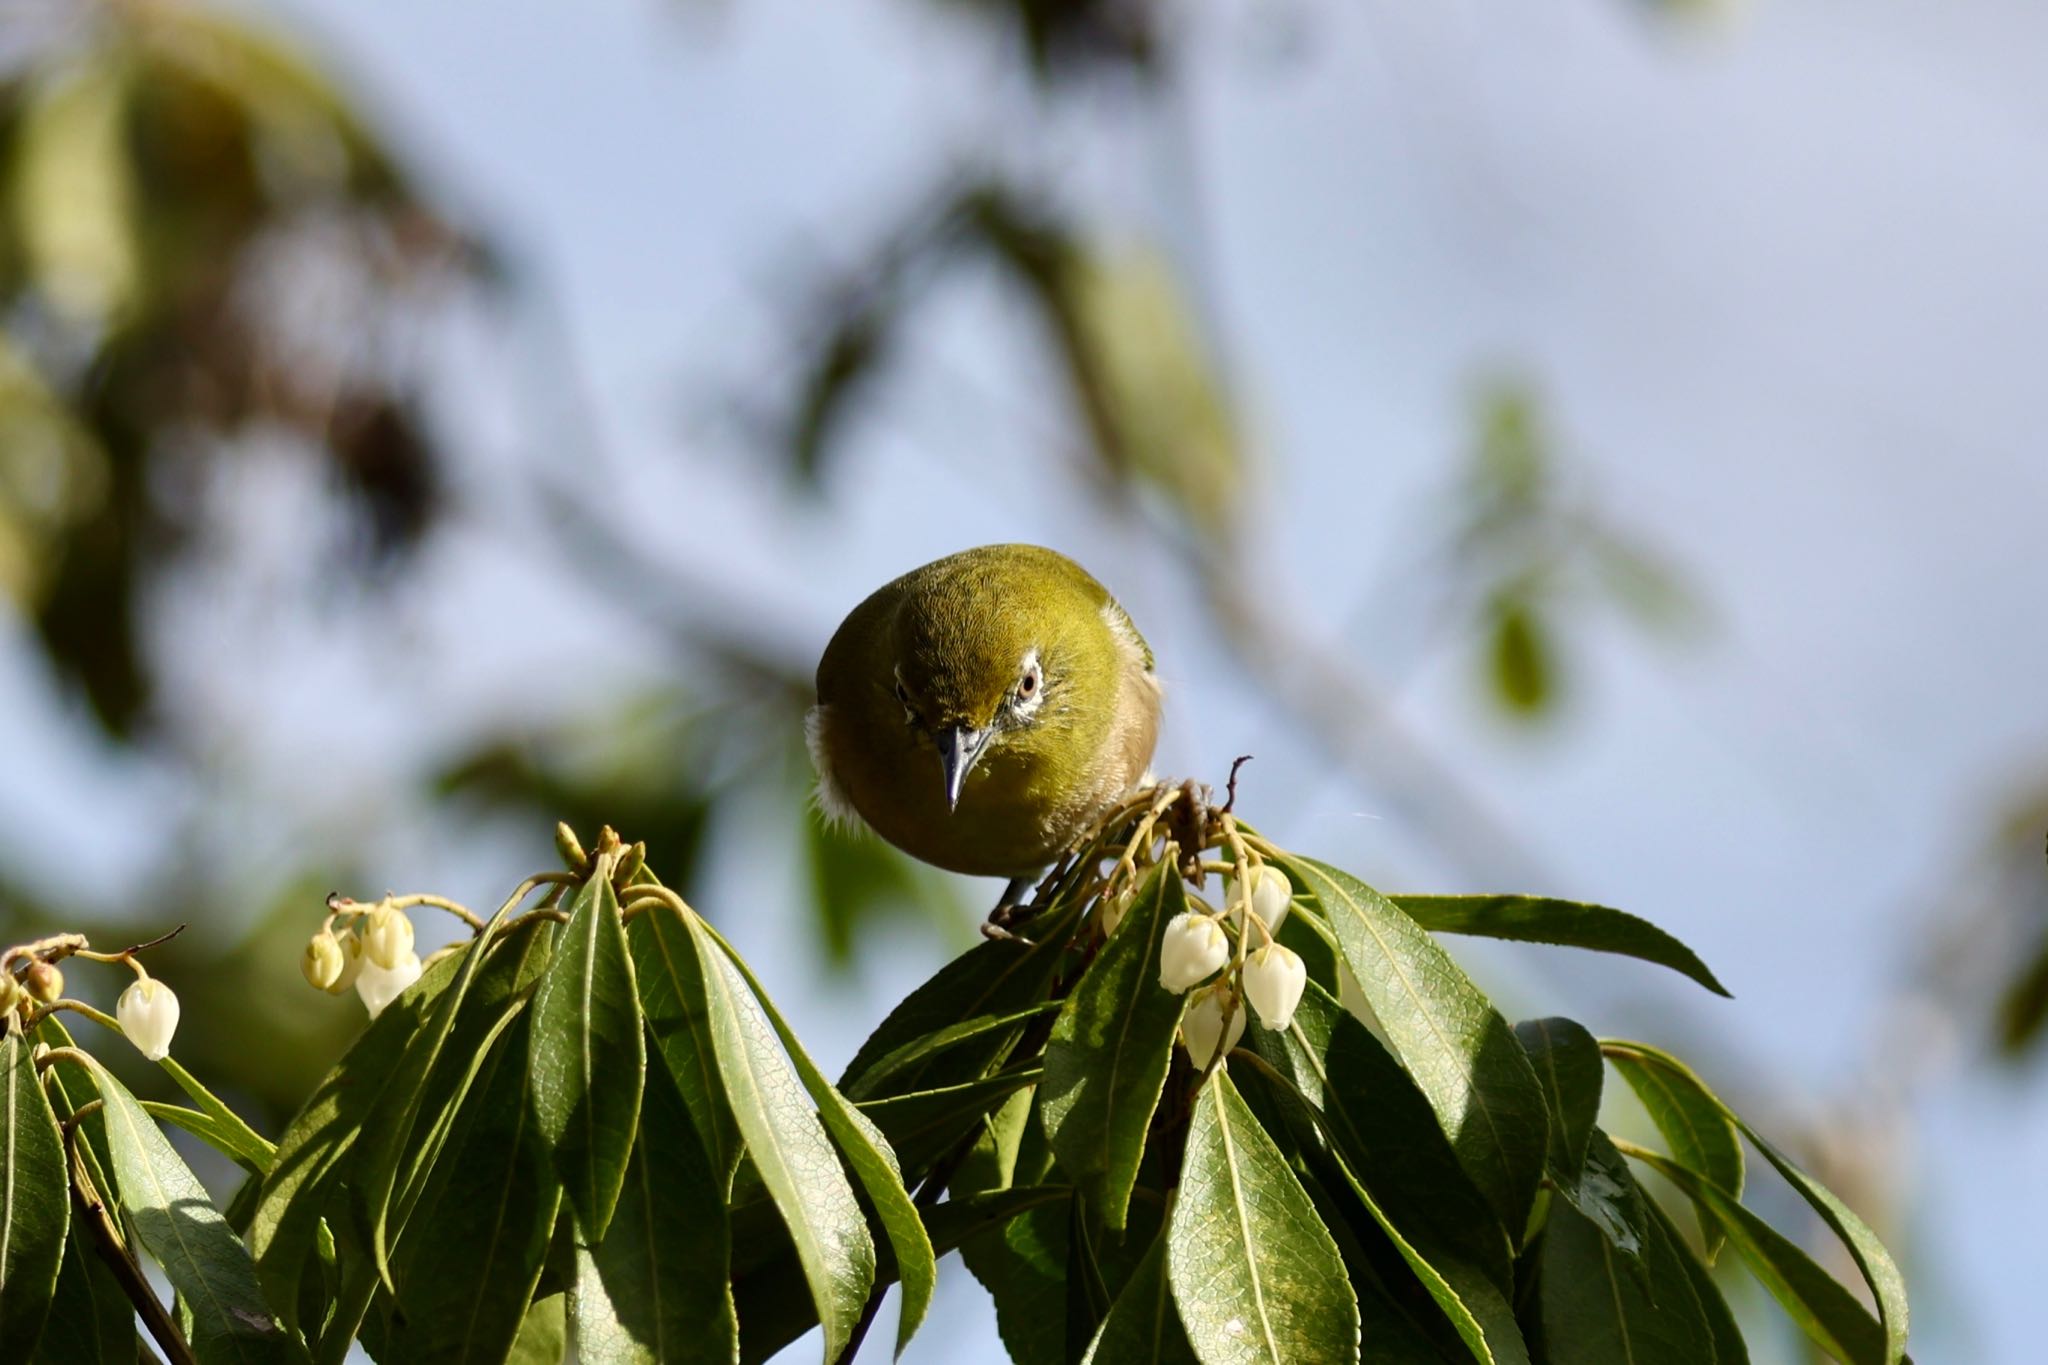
(380, 985)
(148, 1012)
(387, 937)
(323, 961)
(1193, 948)
(1272, 897)
(1273, 981)
(1201, 1028)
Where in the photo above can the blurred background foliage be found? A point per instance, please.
(215, 265)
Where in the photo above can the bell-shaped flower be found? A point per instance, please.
(1193, 947)
(1272, 897)
(324, 961)
(387, 937)
(1201, 1028)
(148, 1013)
(379, 985)
(1273, 980)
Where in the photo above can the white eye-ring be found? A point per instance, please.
(1029, 693)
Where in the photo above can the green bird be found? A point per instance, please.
(980, 712)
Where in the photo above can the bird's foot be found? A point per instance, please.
(1012, 906)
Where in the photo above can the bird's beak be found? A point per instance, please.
(959, 747)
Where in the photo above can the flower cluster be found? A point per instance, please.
(373, 953)
(1198, 944)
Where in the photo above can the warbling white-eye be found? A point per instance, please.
(980, 711)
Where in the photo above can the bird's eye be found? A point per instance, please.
(1027, 686)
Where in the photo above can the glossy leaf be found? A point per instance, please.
(1598, 1311)
(859, 1140)
(787, 1143)
(1605, 1194)
(1109, 1053)
(589, 1058)
(1828, 1314)
(1022, 1262)
(1459, 1050)
(1567, 1062)
(175, 1220)
(35, 1202)
(1143, 1324)
(1569, 924)
(1729, 1347)
(1694, 1122)
(1254, 1271)
(656, 1289)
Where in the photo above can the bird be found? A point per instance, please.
(982, 711)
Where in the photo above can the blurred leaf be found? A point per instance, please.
(1252, 1267)
(1453, 1042)
(1524, 672)
(857, 880)
(1692, 1119)
(35, 1204)
(1571, 924)
(589, 1057)
(1108, 1056)
(74, 193)
(655, 1290)
(2023, 1003)
(178, 1224)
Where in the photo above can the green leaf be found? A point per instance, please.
(1143, 1324)
(469, 1257)
(1729, 1348)
(311, 1154)
(797, 1162)
(679, 1023)
(1453, 1042)
(1567, 1062)
(865, 1149)
(924, 1125)
(1109, 1053)
(91, 1321)
(1887, 1286)
(175, 1220)
(386, 1141)
(656, 1290)
(229, 1142)
(1598, 1313)
(544, 1336)
(1022, 1262)
(1828, 1314)
(957, 1221)
(1606, 1194)
(589, 1058)
(233, 1134)
(1694, 1122)
(923, 1049)
(1521, 655)
(1254, 1270)
(989, 979)
(1569, 924)
(35, 1202)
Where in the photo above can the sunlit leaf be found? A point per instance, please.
(1571, 924)
(1252, 1267)
(1694, 1122)
(1567, 1062)
(1458, 1048)
(589, 1058)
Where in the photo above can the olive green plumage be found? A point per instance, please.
(980, 711)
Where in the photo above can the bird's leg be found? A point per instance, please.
(1014, 900)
